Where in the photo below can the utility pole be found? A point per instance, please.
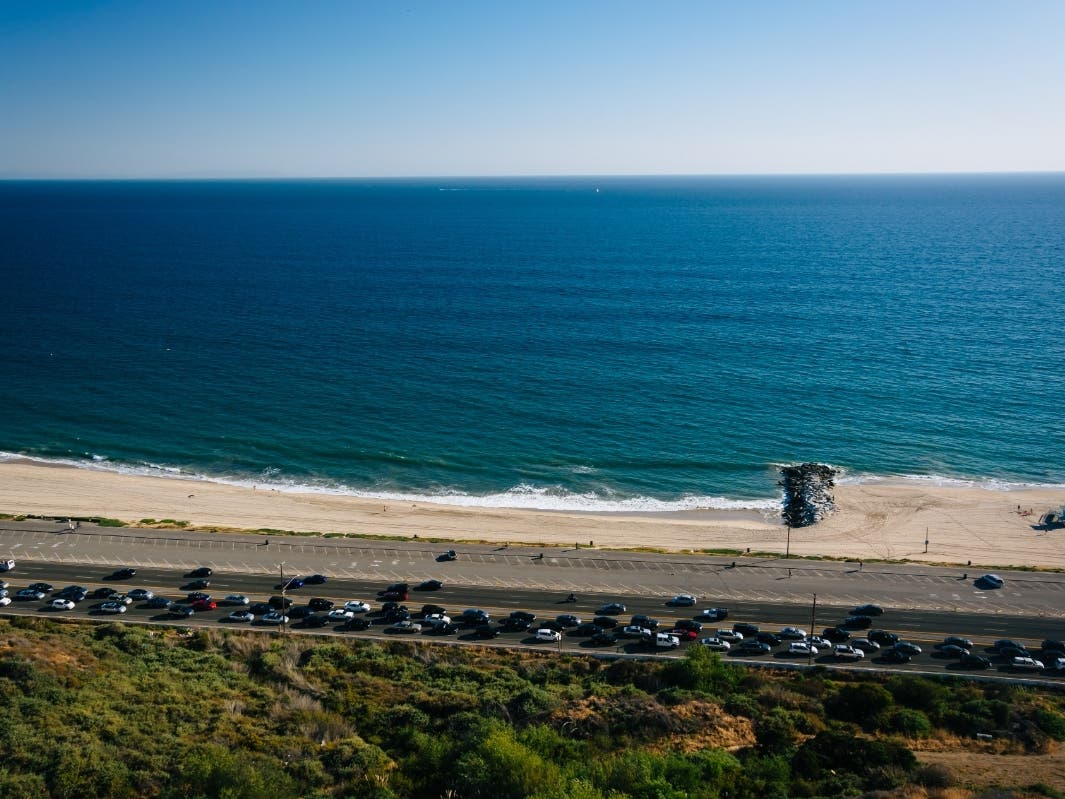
(284, 610)
(813, 628)
(787, 548)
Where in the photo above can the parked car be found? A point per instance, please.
(683, 601)
(847, 652)
(612, 609)
(989, 581)
(449, 555)
(716, 644)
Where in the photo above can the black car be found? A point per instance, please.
(1052, 644)
(586, 629)
(395, 588)
(429, 585)
(751, 646)
(1013, 652)
(474, 616)
(836, 635)
(449, 555)
(606, 622)
(568, 620)
(745, 629)
(356, 623)
(767, 638)
(524, 615)
(640, 620)
(198, 584)
(514, 625)
(202, 571)
(123, 574)
(952, 651)
(45, 588)
(315, 579)
(868, 610)
(75, 593)
(895, 656)
(397, 614)
(390, 605)
(318, 603)
(314, 620)
(261, 609)
(485, 631)
(689, 624)
(280, 602)
(448, 628)
(1003, 643)
(104, 592)
(973, 661)
(857, 622)
(196, 596)
(612, 609)
(158, 602)
(882, 637)
(957, 640)
(301, 612)
(432, 610)
(551, 624)
(603, 638)
(909, 648)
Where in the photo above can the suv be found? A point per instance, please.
(640, 620)
(666, 641)
(1026, 664)
(882, 637)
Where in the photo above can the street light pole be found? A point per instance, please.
(813, 628)
(787, 549)
(284, 614)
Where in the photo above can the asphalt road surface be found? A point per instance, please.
(923, 604)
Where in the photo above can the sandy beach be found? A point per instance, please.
(873, 521)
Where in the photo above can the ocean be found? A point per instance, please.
(598, 344)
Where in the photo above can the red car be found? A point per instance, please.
(201, 605)
(684, 633)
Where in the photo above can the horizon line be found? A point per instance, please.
(516, 176)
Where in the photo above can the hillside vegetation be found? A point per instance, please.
(128, 711)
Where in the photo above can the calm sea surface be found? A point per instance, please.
(657, 343)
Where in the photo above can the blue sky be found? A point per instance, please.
(411, 88)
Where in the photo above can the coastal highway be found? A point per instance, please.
(922, 603)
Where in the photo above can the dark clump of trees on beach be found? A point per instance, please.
(117, 711)
(807, 493)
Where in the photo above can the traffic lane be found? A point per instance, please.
(923, 627)
(769, 615)
(925, 663)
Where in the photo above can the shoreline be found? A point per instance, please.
(873, 521)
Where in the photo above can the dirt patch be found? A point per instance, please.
(991, 770)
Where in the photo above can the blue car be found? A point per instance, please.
(295, 582)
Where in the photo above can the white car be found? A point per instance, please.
(635, 631)
(846, 652)
(818, 641)
(793, 633)
(864, 644)
(666, 641)
(62, 604)
(544, 634)
(729, 635)
(241, 616)
(236, 599)
(5, 601)
(434, 619)
(275, 618)
(802, 648)
(113, 607)
(357, 606)
(339, 614)
(7, 565)
(716, 644)
(683, 601)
